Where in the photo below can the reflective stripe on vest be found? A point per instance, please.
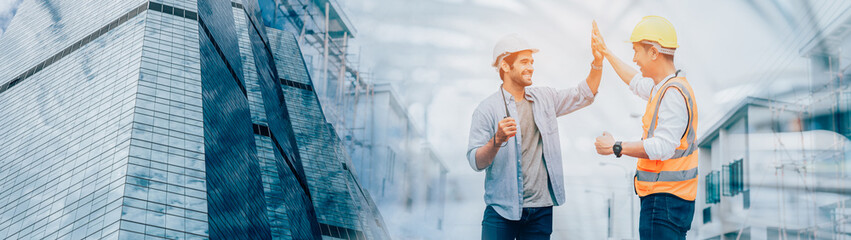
(677, 175)
(666, 176)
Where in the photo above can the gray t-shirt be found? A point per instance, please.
(536, 190)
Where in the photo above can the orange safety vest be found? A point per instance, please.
(677, 175)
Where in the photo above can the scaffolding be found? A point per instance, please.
(324, 28)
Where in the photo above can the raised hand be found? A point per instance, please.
(604, 144)
(597, 41)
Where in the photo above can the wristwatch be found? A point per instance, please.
(617, 149)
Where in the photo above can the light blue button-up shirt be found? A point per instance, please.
(503, 180)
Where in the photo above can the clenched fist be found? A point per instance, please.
(507, 128)
(604, 144)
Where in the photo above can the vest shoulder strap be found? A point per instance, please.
(679, 84)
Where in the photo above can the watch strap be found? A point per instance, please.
(617, 148)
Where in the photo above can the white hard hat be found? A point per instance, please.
(509, 44)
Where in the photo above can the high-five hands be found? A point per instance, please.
(604, 144)
(597, 43)
(598, 55)
(507, 128)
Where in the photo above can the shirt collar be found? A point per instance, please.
(509, 98)
(529, 96)
(505, 94)
(677, 73)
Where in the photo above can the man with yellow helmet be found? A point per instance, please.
(666, 172)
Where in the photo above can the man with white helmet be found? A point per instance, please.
(514, 139)
(666, 172)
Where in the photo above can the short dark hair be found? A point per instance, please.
(510, 59)
(666, 56)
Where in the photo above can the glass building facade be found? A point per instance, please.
(67, 126)
(166, 120)
(345, 210)
(386, 151)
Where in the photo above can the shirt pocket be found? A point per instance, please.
(549, 120)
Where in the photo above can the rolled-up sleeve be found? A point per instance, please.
(572, 99)
(672, 122)
(480, 133)
(642, 86)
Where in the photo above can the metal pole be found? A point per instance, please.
(611, 219)
(631, 207)
(631, 201)
(324, 80)
(610, 203)
(355, 105)
(342, 76)
(632, 215)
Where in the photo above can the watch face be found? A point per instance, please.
(617, 149)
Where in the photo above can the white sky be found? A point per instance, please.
(7, 10)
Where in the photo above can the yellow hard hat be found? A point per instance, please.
(656, 29)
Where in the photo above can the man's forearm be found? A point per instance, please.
(485, 154)
(634, 149)
(593, 78)
(624, 71)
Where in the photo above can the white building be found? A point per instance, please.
(780, 168)
(397, 165)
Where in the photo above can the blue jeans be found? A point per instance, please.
(665, 216)
(534, 223)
